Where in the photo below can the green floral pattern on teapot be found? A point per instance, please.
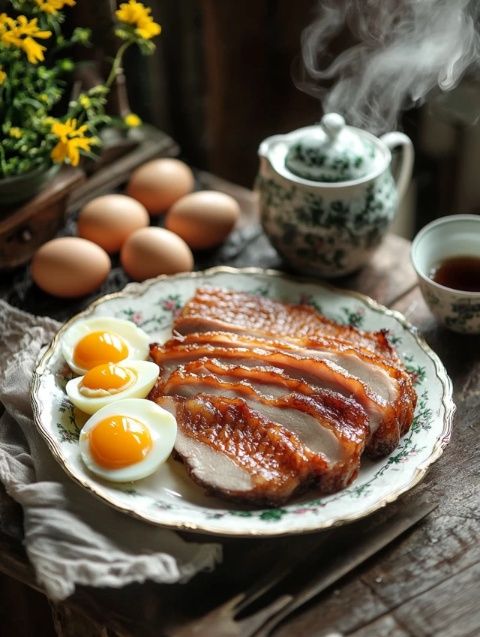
(326, 236)
(327, 195)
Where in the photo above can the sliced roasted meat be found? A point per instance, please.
(386, 379)
(324, 421)
(271, 398)
(238, 453)
(217, 309)
(386, 418)
(389, 381)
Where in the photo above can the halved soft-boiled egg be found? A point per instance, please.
(94, 341)
(127, 440)
(107, 382)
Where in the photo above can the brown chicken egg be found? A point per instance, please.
(109, 220)
(69, 267)
(151, 251)
(203, 219)
(159, 183)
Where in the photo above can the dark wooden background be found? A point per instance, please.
(223, 78)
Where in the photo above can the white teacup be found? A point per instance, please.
(444, 238)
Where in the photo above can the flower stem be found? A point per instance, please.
(117, 64)
(3, 162)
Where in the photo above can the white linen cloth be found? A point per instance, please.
(71, 537)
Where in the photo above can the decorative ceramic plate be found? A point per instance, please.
(169, 498)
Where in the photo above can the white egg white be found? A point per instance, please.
(136, 340)
(161, 425)
(144, 374)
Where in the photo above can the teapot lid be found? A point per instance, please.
(334, 152)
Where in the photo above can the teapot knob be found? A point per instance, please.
(332, 124)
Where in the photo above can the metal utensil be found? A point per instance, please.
(222, 622)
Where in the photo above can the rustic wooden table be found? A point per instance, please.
(426, 583)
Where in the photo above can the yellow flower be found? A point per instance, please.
(68, 129)
(15, 132)
(52, 6)
(71, 141)
(6, 22)
(71, 150)
(21, 33)
(148, 29)
(132, 120)
(3, 76)
(84, 101)
(132, 11)
(34, 50)
(24, 27)
(136, 14)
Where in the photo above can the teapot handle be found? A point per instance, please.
(392, 140)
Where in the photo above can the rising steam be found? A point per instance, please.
(402, 49)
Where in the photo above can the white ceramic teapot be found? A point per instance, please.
(327, 194)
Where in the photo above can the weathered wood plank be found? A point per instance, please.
(388, 276)
(448, 541)
(444, 545)
(382, 627)
(344, 609)
(451, 609)
(23, 611)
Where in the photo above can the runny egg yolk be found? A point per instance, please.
(119, 441)
(99, 347)
(109, 377)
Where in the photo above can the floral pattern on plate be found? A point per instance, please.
(169, 497)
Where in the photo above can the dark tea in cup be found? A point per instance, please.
(458, 273)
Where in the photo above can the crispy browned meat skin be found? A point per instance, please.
(342, 416)
(390, 381)
(385, 418)
(258, 460)
(217, 309)
(276, 341)
(272, 398)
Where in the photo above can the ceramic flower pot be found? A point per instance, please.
(16, 190)
(24, 228)
(327, 194)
